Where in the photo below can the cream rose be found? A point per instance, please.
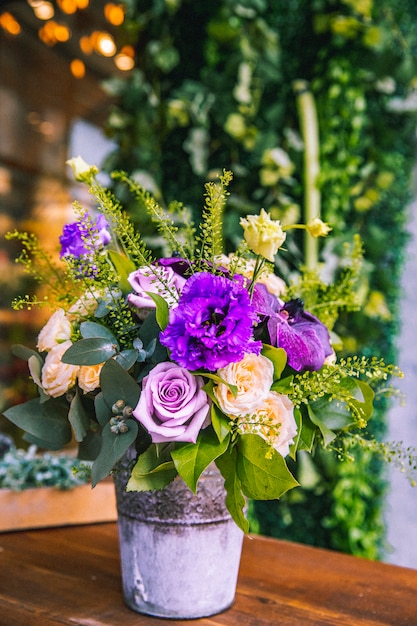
(274, 421)
(253, 377)
(85, 305)
(58, 377)
(56, 330)
(89, 377)
(263, 235)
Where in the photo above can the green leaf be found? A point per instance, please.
(91, 351)
(78, 418)
(365, 406)
(47, 421)
(220, 423)
(127, 358)
(102, 409)
(117, 384)
(35, 365)
(22, 352)
(235, 501)
(262, 470)
(278, 357)
(123, 267)
(113, 447)
(306, 433)
(191, 459)
(92, 330)
(162, 309)
(89, 447)
(151, 472)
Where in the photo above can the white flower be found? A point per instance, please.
(89, 377)
(253, 377)
(58, 377)
(56, 330)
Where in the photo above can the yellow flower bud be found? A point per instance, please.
(263, 235)
(83, 172)
(317, 228)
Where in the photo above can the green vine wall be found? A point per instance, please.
(213, 88)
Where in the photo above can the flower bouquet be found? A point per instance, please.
(190, 359)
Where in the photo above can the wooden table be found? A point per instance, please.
(71, 576)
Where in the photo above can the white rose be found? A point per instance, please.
(89, 377)
(85, 305)
(253, 377)
(274, 421)
(56, 330)
(58, 377)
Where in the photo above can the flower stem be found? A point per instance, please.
(309, 130)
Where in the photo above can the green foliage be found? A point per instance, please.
(231, 103)
(25, 469)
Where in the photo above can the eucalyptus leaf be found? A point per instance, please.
(35, 364)
(117, 384)
(191, 459)
(92, 330)
(263, 473)
(113, 447)
(102, 409)
(22, 352)
(151, 472)
(78, 418)
(91, 351)
(89, 447)
(127, 358)
(47, 421)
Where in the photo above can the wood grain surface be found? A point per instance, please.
(72, 576)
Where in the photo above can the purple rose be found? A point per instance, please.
(172, 405)
(81, 238)
(155, 279)
(212, 325)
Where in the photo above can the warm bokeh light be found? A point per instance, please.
(44, 10)
(104, 44)
(10, 24)
(68, 6)
(128, 51)
(114, 13)
(52, 33)
(86, 45)
(124, 62)
(77, 68)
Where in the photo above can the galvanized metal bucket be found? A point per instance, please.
(180, 552)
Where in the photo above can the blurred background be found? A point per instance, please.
(172, 91)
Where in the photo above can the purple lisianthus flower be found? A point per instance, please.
(155, 279)
(303, 337)
(79, 239)
(172, 405)
(212, 325)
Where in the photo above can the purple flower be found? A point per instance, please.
(303, 337)
(155, 279)
(79, 239)
(212, 325)
(172, 405)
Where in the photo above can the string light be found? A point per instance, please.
(53, 32)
